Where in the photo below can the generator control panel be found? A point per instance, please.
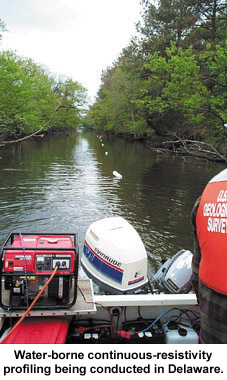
(40, 254)
(49, 262)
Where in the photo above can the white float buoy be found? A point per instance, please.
(106, 153)
(116, 174)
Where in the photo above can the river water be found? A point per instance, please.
(64, 183)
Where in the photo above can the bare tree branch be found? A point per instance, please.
(37, 132)
(197, 148)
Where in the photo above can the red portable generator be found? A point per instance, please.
(27, 262)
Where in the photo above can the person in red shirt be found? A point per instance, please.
(209, 264)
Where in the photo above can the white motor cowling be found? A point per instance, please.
(114, 256)
(174, 276)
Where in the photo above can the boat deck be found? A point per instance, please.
(85, 304)
(88, 303)
(122, 312)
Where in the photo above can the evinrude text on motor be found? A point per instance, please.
(114, 256)
(39, 271)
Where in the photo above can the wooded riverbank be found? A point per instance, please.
(169, 85)
(185, 147)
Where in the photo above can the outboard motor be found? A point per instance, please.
(114, 257)
(174, 276)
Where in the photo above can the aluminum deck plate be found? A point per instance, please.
(85, 304)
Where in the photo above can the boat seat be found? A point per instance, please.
(42, 330)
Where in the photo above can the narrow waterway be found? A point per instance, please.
(64, 183)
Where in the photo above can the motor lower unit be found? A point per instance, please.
(27, 262)
(114, 256)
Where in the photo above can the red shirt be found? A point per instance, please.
(211, 226)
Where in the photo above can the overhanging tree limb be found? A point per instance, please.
(192, 146)
(37, 132)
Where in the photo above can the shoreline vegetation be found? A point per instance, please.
(184, 147)
(168, 87)
(192, 148)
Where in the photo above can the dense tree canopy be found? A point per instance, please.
(31, 99)
(171, 79)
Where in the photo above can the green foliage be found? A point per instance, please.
(171, 79)
(140, 128)
(116, 109)
(215, 64)
(73, 97)
(2, 28)
(29, 95)
(180, 87)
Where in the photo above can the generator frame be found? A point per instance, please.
(9, 240)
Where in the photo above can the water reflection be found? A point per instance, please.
(64, 183)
